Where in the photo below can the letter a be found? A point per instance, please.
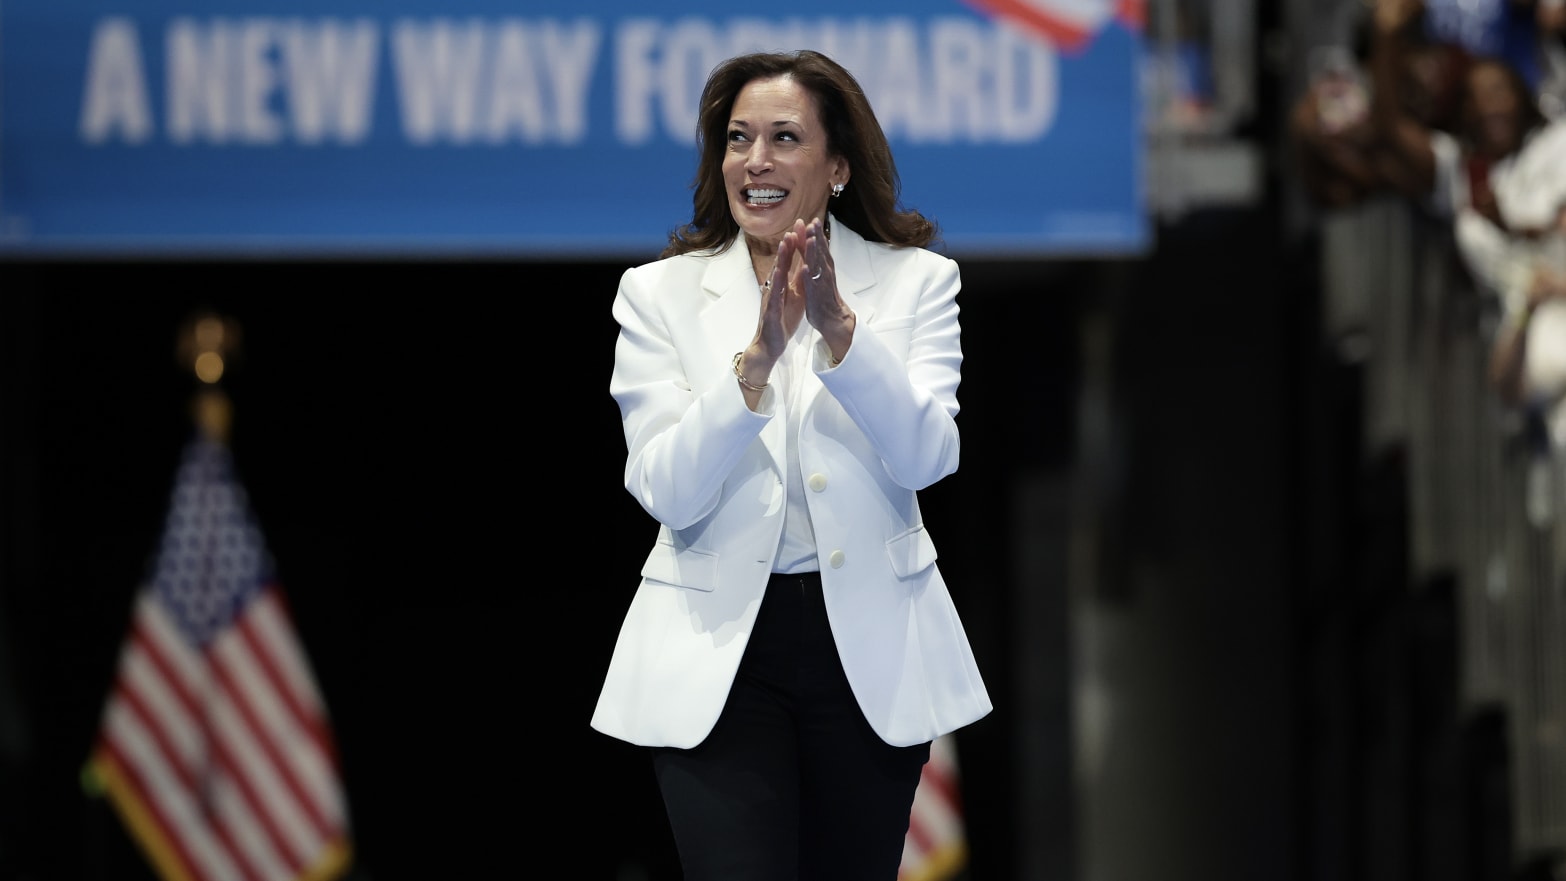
(115, 96)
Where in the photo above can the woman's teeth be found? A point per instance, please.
(764, 197)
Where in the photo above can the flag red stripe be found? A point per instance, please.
(261, 813)
(276, 760)
(307, 708)
(147, 637)
(920, 837)
(170, 844)
(303, 712)
(127, 696)
(237, 740)
(271, 624)
(1133, 13)
(156, 645)
(223, 762)
(1054, 29)
(935, 848)
(942, 784)
(160, 643)
(168, 756)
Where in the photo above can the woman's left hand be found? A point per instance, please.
(814, 277)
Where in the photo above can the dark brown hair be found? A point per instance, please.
(1530, 116)
(869, 206)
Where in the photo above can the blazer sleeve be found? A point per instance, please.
(906, 404)
(684, 433)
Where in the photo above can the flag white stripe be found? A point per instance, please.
(299, 747)
(270, 623)
(233, 812)
(935, 822)
(260, 853)
(147, 683)
(275, 799)
(174, 649)
(167, 794)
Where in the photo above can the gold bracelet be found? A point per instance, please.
(741, 377)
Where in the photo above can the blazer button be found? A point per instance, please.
(836, 559)
(818, 481)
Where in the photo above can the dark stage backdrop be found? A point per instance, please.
(434, 459)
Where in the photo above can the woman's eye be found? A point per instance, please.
(736, 135)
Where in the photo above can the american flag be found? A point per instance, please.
(936, 847)
(214, 746)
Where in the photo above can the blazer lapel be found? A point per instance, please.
(735, 301)
(855, 274)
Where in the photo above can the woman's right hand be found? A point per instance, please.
(782, 308)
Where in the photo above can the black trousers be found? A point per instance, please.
(792, 784)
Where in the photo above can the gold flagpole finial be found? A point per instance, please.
(208, 345)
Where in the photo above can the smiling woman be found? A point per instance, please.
(787, 375)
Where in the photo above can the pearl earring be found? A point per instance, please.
(837, 190)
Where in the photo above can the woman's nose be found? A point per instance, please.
(760, 158)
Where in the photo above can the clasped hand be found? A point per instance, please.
(803, 285)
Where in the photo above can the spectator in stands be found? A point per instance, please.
(1330, 128)
(1338, 152)
(1491, 176)
(1501, 178)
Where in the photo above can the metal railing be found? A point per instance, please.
(1487, 498)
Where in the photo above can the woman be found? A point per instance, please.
(786, 374)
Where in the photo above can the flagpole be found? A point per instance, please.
(208, 342)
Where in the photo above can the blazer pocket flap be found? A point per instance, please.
(682, 567)
(911, 553)
(892, 323)
(896, 332)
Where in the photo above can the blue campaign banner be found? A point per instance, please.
(542, 130)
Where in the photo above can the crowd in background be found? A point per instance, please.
(1431, 139)
(1461, 109)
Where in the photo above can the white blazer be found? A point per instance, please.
(875, 429)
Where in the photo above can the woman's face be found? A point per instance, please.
(1432, 85)
(1495, 109)
(777, 165)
